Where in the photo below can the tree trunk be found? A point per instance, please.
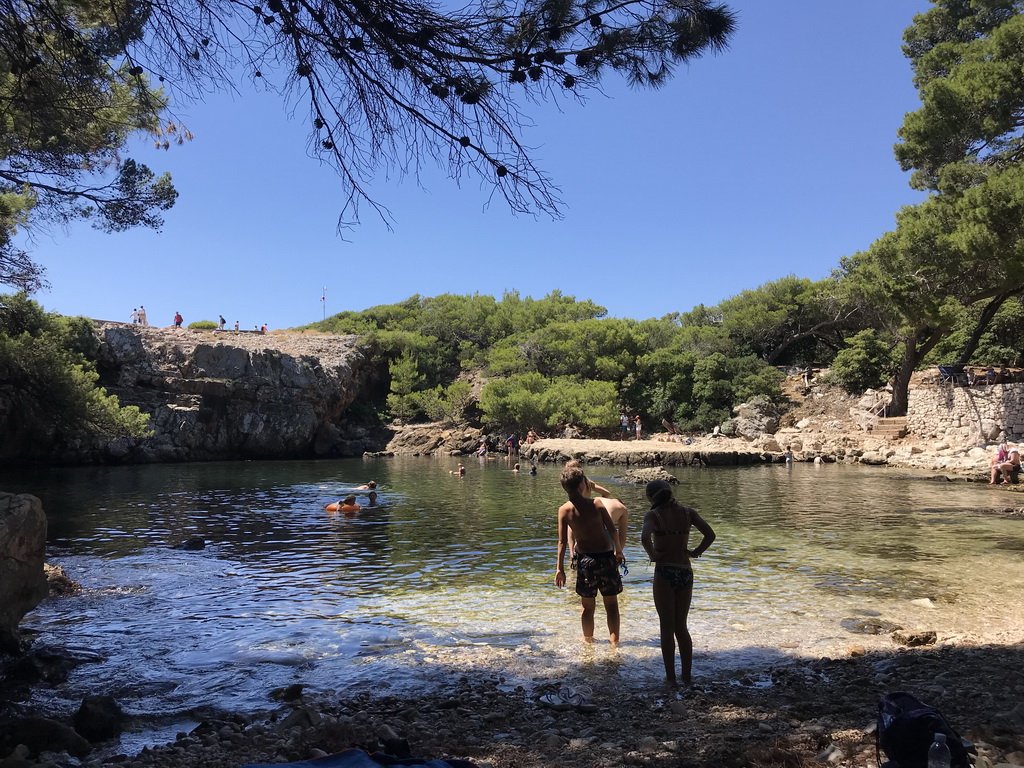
(914, 350)
(983, 322)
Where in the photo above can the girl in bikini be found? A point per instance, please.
(665, 537)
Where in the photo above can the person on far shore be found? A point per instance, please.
(531, 437)
(178, 319)
(1007, 466)
(264, 328)
(665, 538)
(236, 325)
(788, 455)
(142, 316)
(623, 427)
(135, 316)
(636, 423)
(597, 566)
(222, 323)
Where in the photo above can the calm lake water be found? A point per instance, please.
(450, 576)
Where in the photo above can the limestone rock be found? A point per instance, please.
(914, 639)
(99, 718)
(213, 396)
(646, 475)
(755, 417)
(22, 579)
(59, 583)
(42, 734)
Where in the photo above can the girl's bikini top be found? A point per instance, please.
(662, 530)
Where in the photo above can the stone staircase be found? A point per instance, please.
(891, 428)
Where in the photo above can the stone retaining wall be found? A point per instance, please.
(967, 415)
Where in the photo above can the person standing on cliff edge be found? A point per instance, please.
(142, 316)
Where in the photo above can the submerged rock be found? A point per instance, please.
(646, 475)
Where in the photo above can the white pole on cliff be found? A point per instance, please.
(323, 301)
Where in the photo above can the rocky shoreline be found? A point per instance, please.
(812, 712)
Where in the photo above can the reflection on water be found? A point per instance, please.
(445, 574)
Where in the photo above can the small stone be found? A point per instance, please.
(648, 745)
(1015, 758)
(678, 707)
(923, 602)
(856, 650)
(552, 742)
(914, 639)
(831, 755)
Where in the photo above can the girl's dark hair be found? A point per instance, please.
(658, 492)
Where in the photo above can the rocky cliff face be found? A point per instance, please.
(233, 395)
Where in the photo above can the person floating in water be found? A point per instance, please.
(370, 486)
(347, 505)
(597, 566)
(461, 471)
(533, 469)
(665, 538)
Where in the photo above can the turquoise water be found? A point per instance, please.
(450, 576)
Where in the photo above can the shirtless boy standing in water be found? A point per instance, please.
(597, 565)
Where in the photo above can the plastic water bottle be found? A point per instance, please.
(938, 753)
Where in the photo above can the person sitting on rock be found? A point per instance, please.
(1006, 468)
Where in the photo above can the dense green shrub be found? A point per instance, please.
(48, 387)
(866, 363)
(204, 325)
(557, 360)
(531, 400)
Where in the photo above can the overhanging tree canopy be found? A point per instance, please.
(68, 102)
(388, 84)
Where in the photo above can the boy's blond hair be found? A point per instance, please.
(572, 477)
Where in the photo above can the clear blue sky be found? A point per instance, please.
(774, 158)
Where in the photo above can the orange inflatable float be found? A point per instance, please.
(348, 504)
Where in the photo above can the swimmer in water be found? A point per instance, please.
(347, 505)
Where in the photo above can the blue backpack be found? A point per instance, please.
(907, 727)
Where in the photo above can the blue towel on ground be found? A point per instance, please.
(357, 758)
